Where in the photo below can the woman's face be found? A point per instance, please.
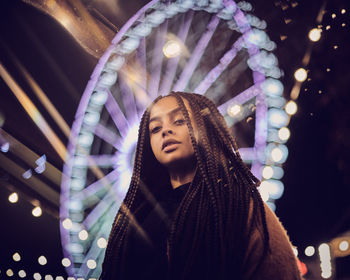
(169, 135)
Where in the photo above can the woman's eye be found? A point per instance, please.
(180, 121)
(155, 129)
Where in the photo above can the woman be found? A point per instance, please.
(193, 210)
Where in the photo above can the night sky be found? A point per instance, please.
(315, 205)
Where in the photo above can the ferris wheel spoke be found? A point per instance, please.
(99, 187)
(108, 136)
(248, 154)
(128, 101)
(157, 59)
(196, 55)
(212, 76)
(173, 62)
(117, 115)
(100, 208)
(241, 98)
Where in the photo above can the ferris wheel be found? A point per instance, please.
(215, 48)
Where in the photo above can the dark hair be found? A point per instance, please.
(211, 228)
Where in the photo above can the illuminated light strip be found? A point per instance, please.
(173, 62)
(33, 112)
(44, 100)
(224, 61)
(196, 55)
(326, 261)
(157, 60)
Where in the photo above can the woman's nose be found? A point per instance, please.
(167, 131)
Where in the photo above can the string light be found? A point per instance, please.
(300, 75)
(334, 15)
(48, 277)
(325, 258)
(328, 27)
(295, 251)
(267, 172)
(343, 11)
(276, 154)
(36, 212)
(13, 197)
(59, 278)
(172, 49)
(234, 110)
(335, 47)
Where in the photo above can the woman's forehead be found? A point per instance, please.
(166, 105)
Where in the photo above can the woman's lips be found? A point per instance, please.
(170, 147)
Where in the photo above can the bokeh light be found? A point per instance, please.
(66, 262)
(91, 264)
(171, 49)
(13, 197)
(309, 251)
(22, 273)
(234, 110)
(16, 257)
(267, 172)
(315, 34)
(36, 212)
(295, 251)
(276, 154)
(67, 223)
(9, 272)
(37, 276)
(42, 260)
(48, 277)
(291, 107)
(83, 235)
(102, 242)
(343, 245)
(300, 75)
(284, 133)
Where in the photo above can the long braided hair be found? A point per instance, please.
(211, 228)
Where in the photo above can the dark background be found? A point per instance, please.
(315, 206)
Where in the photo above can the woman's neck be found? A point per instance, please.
(179, 177)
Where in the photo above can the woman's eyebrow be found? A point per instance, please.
(172, 112)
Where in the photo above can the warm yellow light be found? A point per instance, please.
(67, 223)
(102, 243)
(16, 257)
(171, 49)
(328, 27)
(48, 277)
(300, 75)
(42, 260)
(66, 262)
(267, 172)
(83, 235)
(334, 15)
(276, 154)
(59, 278)
(13, 197)
(91, 264)
(309, 251)
(284, 133)
(343, 11)
(22, 273)
(315, 34)
(9, 272)
(344, 245)
(36, 212)
(234, 110)
(291, 107)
